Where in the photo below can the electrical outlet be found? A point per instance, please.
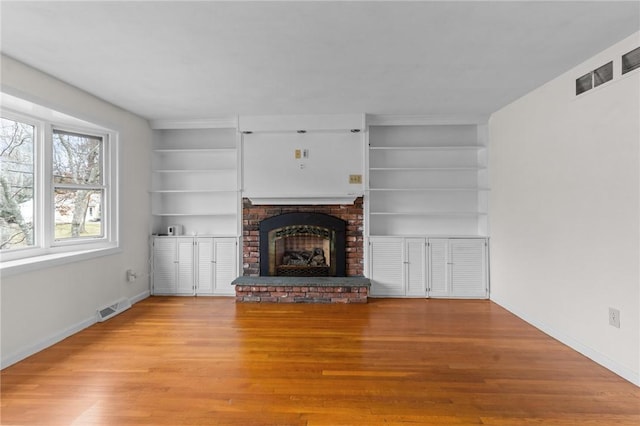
(131, 276)
(614, 317)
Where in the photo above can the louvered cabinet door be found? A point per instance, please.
(186, 275)
(415, 264)
(438, 267)
(225, 266)
(205, 265)
(164, 266)
(387, 267)
(468, 262)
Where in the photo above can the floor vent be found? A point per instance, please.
(113, 310)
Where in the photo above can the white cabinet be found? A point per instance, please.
(387, 266)
(398, 266)
(428, 267)
(415, 261)
(427, 180)
(173, 265)
(217, 265)
(195, 180)
(188, 266)
(458, 267)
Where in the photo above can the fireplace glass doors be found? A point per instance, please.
(302, 245)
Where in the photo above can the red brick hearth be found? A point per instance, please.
(352, 214)
(302, 289)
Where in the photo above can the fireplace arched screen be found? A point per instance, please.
(302, 244)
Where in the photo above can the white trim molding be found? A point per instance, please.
(424, 120)
(292, 123)
(228, 122)
(621, 370)
(26, 352)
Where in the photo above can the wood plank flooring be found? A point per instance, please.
(210, 361)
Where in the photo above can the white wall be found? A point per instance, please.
(564, 211)
(270, 168)
(46, 305)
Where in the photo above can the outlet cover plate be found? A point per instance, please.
(614, 317)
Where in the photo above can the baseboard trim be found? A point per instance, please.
(17, 356)
(603, 360)
(138, 297)
(45, 343)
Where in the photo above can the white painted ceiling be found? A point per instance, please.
(195, 60)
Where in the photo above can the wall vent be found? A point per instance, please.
(631, 60)
(112, 310)
(594, 78)
(603, 74)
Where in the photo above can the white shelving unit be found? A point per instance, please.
(195, 181)
(427, 207)
(427, 180)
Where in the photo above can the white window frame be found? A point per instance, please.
(47, 251)
(106, 174)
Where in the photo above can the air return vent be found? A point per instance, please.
(595, 78)
(112, 310)
(631, 60)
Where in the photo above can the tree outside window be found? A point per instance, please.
(16, 184)
(58, 186)
(78, 185)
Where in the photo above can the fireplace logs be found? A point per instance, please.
(303, 263)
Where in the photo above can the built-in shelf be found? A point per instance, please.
(444, 188)
(195, 180)
(194, 150)
(428, 148)
(436, 214)
(192, 170)
(204, 213)
(426, 180)
(424, 168)
(192, 191)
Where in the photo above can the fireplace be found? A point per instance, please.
(302, 254)
(302, 245)
(292, 240)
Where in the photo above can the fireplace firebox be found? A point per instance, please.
(302, 245)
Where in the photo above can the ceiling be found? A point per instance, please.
(199, 60)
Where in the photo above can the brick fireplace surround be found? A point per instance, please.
(350, 289)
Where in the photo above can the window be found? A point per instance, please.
(631, 60)
(78, 185)
(17, 191)
(58, 191)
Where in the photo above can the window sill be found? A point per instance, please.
(29, 264)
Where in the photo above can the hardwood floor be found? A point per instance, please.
(210, 361)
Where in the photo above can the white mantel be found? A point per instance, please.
(312, 200)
